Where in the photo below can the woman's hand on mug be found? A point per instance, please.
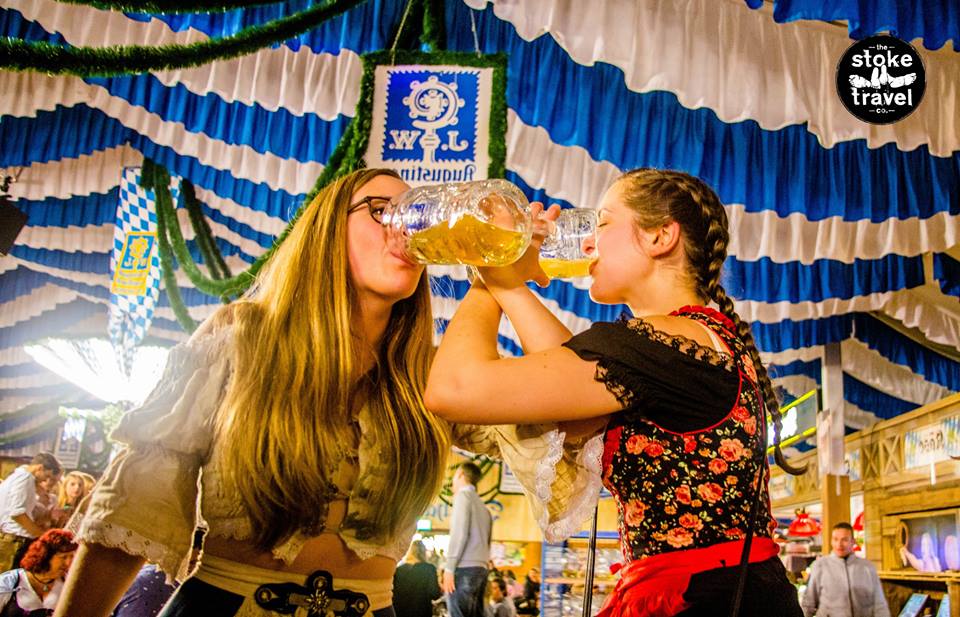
(527, 268)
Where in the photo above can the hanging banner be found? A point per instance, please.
(135, 264)
(439, 119)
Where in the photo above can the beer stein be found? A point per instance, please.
(481, 223)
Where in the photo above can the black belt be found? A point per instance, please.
(318, 596)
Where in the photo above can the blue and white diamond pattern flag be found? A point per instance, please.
(135, 264)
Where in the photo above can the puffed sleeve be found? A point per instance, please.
(560, 477)
(146, 502)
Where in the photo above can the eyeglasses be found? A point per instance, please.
(375, 204)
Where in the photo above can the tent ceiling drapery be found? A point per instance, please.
(839, 228)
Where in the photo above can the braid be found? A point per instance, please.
(770, 399)
(709, 267)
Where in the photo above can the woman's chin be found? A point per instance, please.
(599, 295)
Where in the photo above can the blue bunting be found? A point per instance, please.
(934, 21)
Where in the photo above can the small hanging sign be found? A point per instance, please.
(435, 118)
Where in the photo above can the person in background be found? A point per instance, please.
(928, 561)
(500, 603)
(18, 498)
(34, 589)
(415, 583)
(529, 602)
(514, 587)
(42, 513)
(73, 488)
(842, 584)
(465, 573)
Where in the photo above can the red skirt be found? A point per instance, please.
(654, 586)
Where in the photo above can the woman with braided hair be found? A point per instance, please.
(673, 400)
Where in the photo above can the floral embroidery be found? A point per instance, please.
(636, 444)
(633, 512)
(653, 450)
(717, 466)
(679, 537)
(692, 490)
(730, 449)
(691, 521)
(740, 413)
(711, 492)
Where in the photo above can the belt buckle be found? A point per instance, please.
(318, 597)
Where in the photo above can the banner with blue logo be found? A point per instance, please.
(438, 123)
(135, 264)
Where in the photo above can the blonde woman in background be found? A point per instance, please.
(73, 488)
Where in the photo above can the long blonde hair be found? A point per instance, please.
(286, 414)
(86, 483)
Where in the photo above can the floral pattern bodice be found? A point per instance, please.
(678, 491)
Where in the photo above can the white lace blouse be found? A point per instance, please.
(167, 478)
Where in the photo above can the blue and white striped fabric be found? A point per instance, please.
(131, 314)
(839, 229)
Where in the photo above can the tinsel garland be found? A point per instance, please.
(10, 441)
(171, 6)
(23, 413)
(434, 35)
(154, 177)
(20, 55)
(201, 229)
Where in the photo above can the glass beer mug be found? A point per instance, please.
(561, 254)
(481, 223)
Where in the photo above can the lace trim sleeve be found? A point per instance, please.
(577, 484)
(560, 478)
(172, 560)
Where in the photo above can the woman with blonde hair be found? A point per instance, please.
(299, 409)
(73, 488)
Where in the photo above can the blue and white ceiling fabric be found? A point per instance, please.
(842, 232)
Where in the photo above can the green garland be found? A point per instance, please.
(434, 35)
(156, 178)
(201, 229)
(171, 6)
(20, 55)
(29, 410)
(47, 426)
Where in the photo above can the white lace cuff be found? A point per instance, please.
(583, 498)
(171, 561)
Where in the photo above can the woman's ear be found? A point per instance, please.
(662, 240)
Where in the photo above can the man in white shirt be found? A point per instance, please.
(842, 584)
(18, 497)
